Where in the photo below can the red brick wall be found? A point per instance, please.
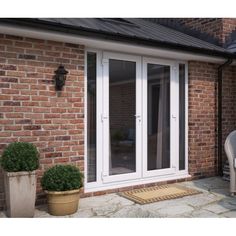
(219, 28)
(229, 25)
(211, 26)
(30, 108)
(228, 103)
(203, 115)
(202, 119)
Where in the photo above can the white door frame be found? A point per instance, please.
(174, 117)
(100, 184)
(105, 118)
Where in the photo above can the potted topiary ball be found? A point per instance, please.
(62, 185)
(19, 162)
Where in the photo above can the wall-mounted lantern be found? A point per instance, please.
(60, 77)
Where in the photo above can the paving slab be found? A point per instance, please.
(174, 211)
(2, 215)
(201, 199)
(230, 214)
(105, 210)
(216, 208)
(87, 213)
(132, 212)
(100, 201)
(204, 214)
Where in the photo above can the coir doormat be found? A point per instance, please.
(158, 193)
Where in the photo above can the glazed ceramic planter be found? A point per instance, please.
(61, 203)
(20, 192)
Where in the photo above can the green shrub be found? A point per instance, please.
(20, 156)
(62, 178)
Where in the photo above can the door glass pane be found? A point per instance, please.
(158, 116)
(181, 116)
(91, 117)
(122, 103)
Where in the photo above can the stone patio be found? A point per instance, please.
(214, 201)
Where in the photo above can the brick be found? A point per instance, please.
(21, 98)
(43, 122)
(27, 103)
(6, 109)
(12, 128)
(63, 138)
(32, 127)
(24, 121)
(11, 103)
(10, 91)
(14, 115)
(40, 133)
(48, 149)
(23, 134)
(54, 154)
(7, 67)
(23, 44)
(4, 85)
(9, 79)
(61, 160)
(46, 161)
(41, 110)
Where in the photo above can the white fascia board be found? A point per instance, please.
(107, 44)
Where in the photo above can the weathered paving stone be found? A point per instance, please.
(208, 184)
(105, 210)
(175, 210)
(200, 199)
(204, 214)
(230, 214)
(132, 212)
(230, 200)
(40, 213)
(91, 202)
(82, 214)
(121, 201)
(216, 208)
(2, 215)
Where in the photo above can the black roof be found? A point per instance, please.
(132, 30)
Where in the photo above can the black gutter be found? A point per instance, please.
(219, 141)
(99, 34)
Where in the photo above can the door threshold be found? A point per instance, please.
(94, 187)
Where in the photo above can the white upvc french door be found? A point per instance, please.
(160, 122)
(121, 117)
(137, 118)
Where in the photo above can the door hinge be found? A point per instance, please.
(104, 61)
(103, 175)
(103, 118)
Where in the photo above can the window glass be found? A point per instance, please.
(181, 116)
(91, 116)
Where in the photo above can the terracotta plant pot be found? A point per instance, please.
(61, 203)
(20, 191)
